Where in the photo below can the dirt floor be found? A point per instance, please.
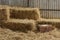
(7, 34)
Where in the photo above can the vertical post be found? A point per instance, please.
(27, 3)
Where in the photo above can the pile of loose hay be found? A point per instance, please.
(7, 34)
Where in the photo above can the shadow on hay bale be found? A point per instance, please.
(22, 27)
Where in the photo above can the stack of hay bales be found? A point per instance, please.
(21, 18)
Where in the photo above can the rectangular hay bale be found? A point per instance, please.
(3, 12)
(3, 15)
(22, 25)
(24, 13)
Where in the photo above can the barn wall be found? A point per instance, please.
(42, 4)
(45, 4)
(14, 2)
(49, 8)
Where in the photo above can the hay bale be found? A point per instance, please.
(25, 13)
(3, 15)
(22, 26)
(50, 20)
(4, 12)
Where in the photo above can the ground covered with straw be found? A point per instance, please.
(7, 34)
